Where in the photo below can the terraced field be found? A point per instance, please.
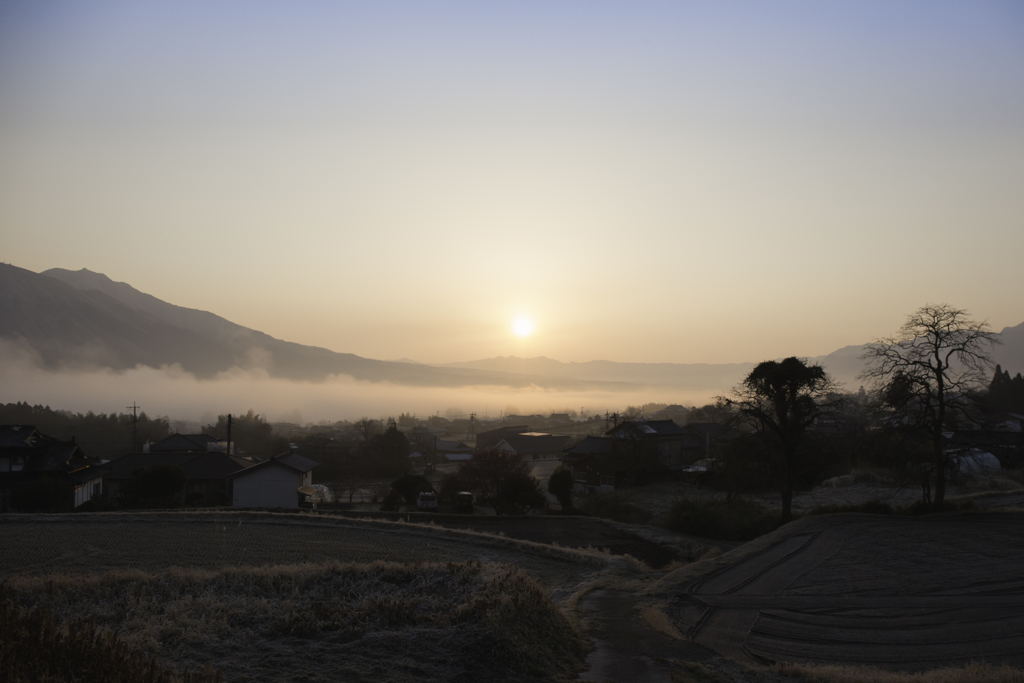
(300, 597)
(893, 592)
(36, 544)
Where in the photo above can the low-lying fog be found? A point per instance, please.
(171, 392)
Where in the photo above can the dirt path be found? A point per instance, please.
(895, 592)
(625, 648)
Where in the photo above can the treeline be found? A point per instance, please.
(101, 435)
(1006, 394)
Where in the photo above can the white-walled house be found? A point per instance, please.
(273, 483)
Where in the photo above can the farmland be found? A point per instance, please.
(267, 596)
(37, 544)
(893, 592)
(304, 597)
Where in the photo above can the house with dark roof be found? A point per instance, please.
(673, 446)
(273, 483)
(594, 466)
(27, 458)
(452, 451)
(534, 445)
(713, 434)
(632, 453)
(206, 473)
(187, 443)
(491, 438)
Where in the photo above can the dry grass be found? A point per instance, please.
(971, 673)
(330, 621)
(36, 645)
(660, 622)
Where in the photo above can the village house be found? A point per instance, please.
(663, 440)
(489, 439)
(635, 452)
(273, 483)
(713, 434)
(206, 465)
(593, 465)
(452, 451)
(534, 445)
(29, 460)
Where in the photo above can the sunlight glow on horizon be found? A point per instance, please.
(523, 327)
(693, 182)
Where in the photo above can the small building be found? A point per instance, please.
(593, 465)
(206, 472)
(187, 443)
(490, 438)
(273, 483)
(713, 434)
(452, 451)
(662, 440)
(28, 458)
(534, 445)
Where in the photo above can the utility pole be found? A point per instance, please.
(135, 421)
(229, 434)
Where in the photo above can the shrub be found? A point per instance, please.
(517, 492)
(392, 502)
(735, 520)
(560, 485)
(489, 469)
(45, 494)
(195, 498)
(451, 485)
(615, 507)
(410, 486)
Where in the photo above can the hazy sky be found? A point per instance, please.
(647, 181)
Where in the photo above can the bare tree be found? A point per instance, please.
(366, 428)
(781, 400)
(927, 375)
(632, 413)
(502, 479)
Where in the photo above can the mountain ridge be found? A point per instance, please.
(84, 317)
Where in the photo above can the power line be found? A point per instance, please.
(135, 420)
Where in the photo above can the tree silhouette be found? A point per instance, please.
(781, 400)
(560, 485)
(929, 375)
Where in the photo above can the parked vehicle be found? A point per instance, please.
(426, 501)
(464, 502)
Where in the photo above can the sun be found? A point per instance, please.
(523, 327)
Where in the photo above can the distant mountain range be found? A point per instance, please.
(85, 319)
(81, 318)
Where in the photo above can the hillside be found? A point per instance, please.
(85, 319)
